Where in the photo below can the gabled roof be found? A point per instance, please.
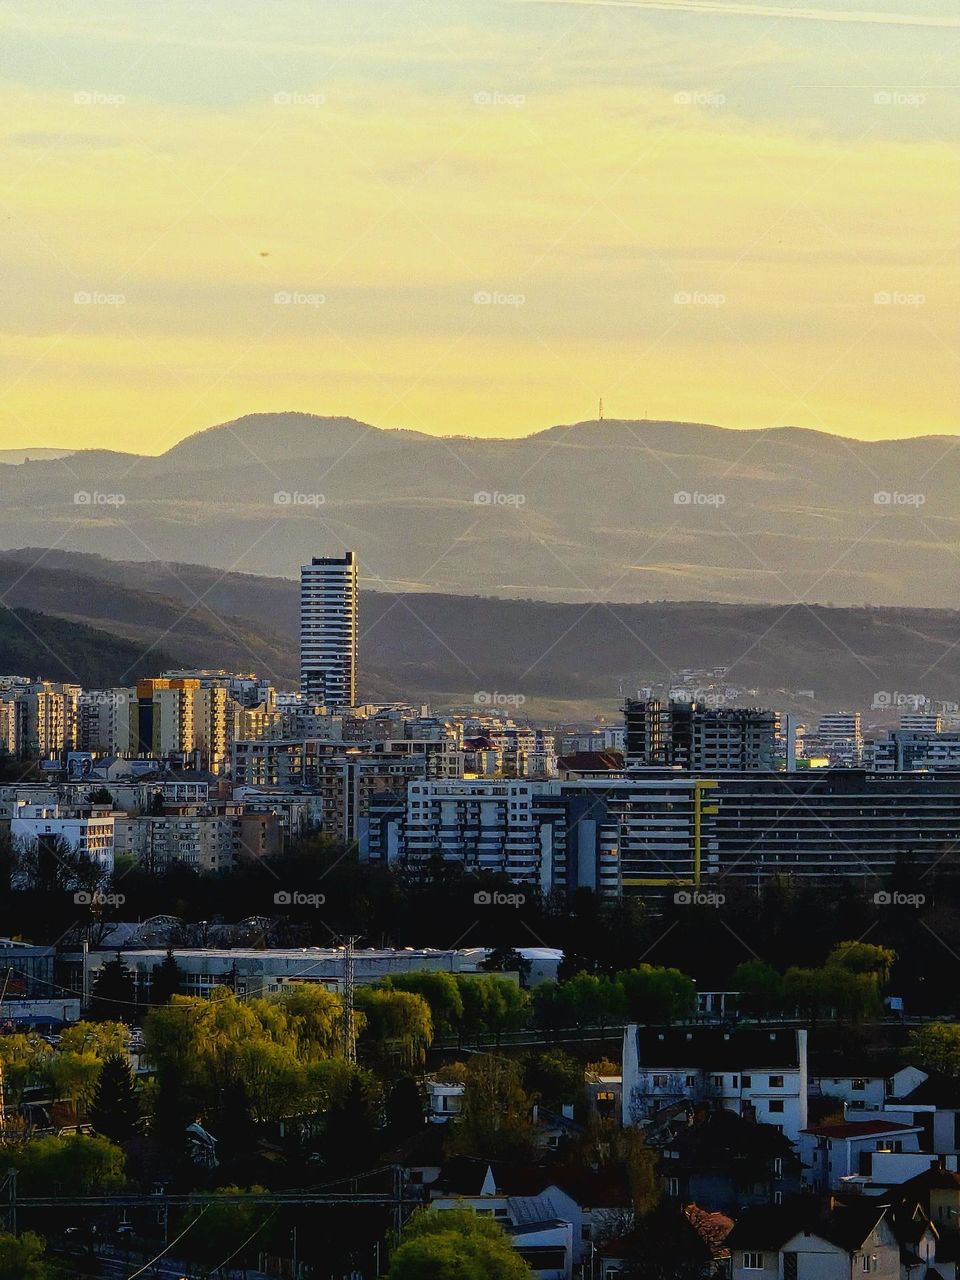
(936, 1091)
(772, 1226)
(714, 1048)
(462, 1176)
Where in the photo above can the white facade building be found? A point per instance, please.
(85, 828)
(328, 630)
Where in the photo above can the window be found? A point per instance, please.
(859, 1085)
(718, 1082)
(775, 1107)
(775, 1082)
(691, 1081)
(659, 1082)
(867, 1263)
(673, 1186)
(778, 1166)
(753, 1262)
(746, 1081)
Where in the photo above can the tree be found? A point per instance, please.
(554, 1078)
(115, 1111)
(24, 1059)
(441, 992)
(349, 1142)
(114, 991)
(166, 981)
(404, 1109)
(760, 987)
(936, 1047)
(495, 1117)
(455, 1244)
(77, 1165)
(397, 1027)
(73, 1079)
(229, 1231)
(102, 1039)
(654, 994)
(863, 958)
(507, 960)
(21, 1258)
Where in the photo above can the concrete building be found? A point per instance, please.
(760, 1073)
(88, 829)
(328, 630)
(690, 735)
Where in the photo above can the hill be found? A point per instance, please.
(33, 644)
(614, 510)
(569, 659)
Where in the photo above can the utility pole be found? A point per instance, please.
(349, 1029)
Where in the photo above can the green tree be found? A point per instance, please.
(657, 995)
(554, 1078)
(24, 1059)
(936, 1047)
(863, 958)
(21, 1258)
(115, 1111)
(350, 1135)
(166, 980)
(396, 1027)
(495, 1120)
(114, 991)
(229, 1231)
(760, 987)
(76, 1165)
(102, 1039)
(455, 1244)
(441, 992)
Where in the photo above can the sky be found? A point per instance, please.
(477, 218)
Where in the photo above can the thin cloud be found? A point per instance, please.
(768, 11)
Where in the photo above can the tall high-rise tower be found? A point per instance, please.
(328, 630)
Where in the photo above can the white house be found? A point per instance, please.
(760, 1073)
(831, 1153)
(774, 1243)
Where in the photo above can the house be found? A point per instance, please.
(444, 1099)
(861, 1081)
(933, 1105)
(696, 1234)
(720, 1161)
(759, 1073)
(937, 1191)
(831, 1153)
(815, 1242)
(517, 1194)
(546, 1246)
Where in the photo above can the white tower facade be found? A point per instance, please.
(328, 630)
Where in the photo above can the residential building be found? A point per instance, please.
(690, 735)
(823, 1242)
(328, 630)
(87, 829)
(832, 1153)
(759, 1073)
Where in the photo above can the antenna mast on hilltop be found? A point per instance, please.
(600, 411)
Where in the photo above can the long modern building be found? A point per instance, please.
(328, 631)
(646, 833)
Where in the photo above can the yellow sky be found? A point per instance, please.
(477, 228)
